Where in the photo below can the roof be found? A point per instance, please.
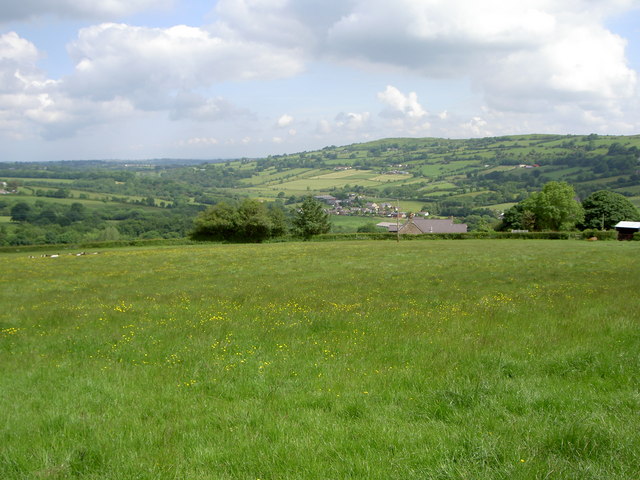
(438, 225)
(628, 225)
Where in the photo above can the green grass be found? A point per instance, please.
(272, 177)
(447, 168)
(95, 202)
(324, 181)
(377, 360)
(347, 224)
(37, 181)
(501, 207)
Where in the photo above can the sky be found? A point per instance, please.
(211, 79)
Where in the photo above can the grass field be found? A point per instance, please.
(37, 181)
(350, 224)
(371, 360)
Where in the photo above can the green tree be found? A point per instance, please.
(108, 234)
(253, 222)
(311, 219)
(554, 208)
(368, 228)
(77, 212)
(512, 218)
(277, 214)
(20, 212)
(218, 222)
(603, 209)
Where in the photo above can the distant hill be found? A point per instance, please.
(484, 172)
(471, 179)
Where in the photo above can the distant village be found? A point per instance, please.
(412, 224)
(354, 205)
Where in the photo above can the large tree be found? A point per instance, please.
(554, 208)
(311, 219)
(251, 221)
(603, 209)
(254, 223)
(20, 212)
(219, 222)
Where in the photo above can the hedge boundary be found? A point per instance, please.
(331, 237)
(584, 235)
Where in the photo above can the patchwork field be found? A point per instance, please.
(418, 360)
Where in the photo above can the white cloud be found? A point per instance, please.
(144, 69)
(31, 104)
(146, 63)
(18, 59)
(197, 107)
(25, 93)
(323, 127)
(548, 49)
(400, 105)
(262, 20)
(476, 127)
(285, 120)
(199, 141)
(584, 66)
(353, 121)
(534, 65)
(91, 9)
(530, 55)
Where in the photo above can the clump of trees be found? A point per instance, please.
(44, 222)
(250, 221)
(555, 208)
(254, 221)
(604, 209)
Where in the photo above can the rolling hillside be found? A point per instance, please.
(473, 179)
(483, 172)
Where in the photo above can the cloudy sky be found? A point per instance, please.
(135, 79)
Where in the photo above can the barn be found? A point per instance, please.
(627, 229)
(418, 226)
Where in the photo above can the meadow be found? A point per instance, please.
(504, 359)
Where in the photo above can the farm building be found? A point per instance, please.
(418, 226)
(627, 229)
(390, 226)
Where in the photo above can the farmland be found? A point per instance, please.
(469, 359)
(473, 180)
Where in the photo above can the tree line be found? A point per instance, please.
(557, 208)
(255, 221)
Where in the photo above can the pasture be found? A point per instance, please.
(418, 360)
